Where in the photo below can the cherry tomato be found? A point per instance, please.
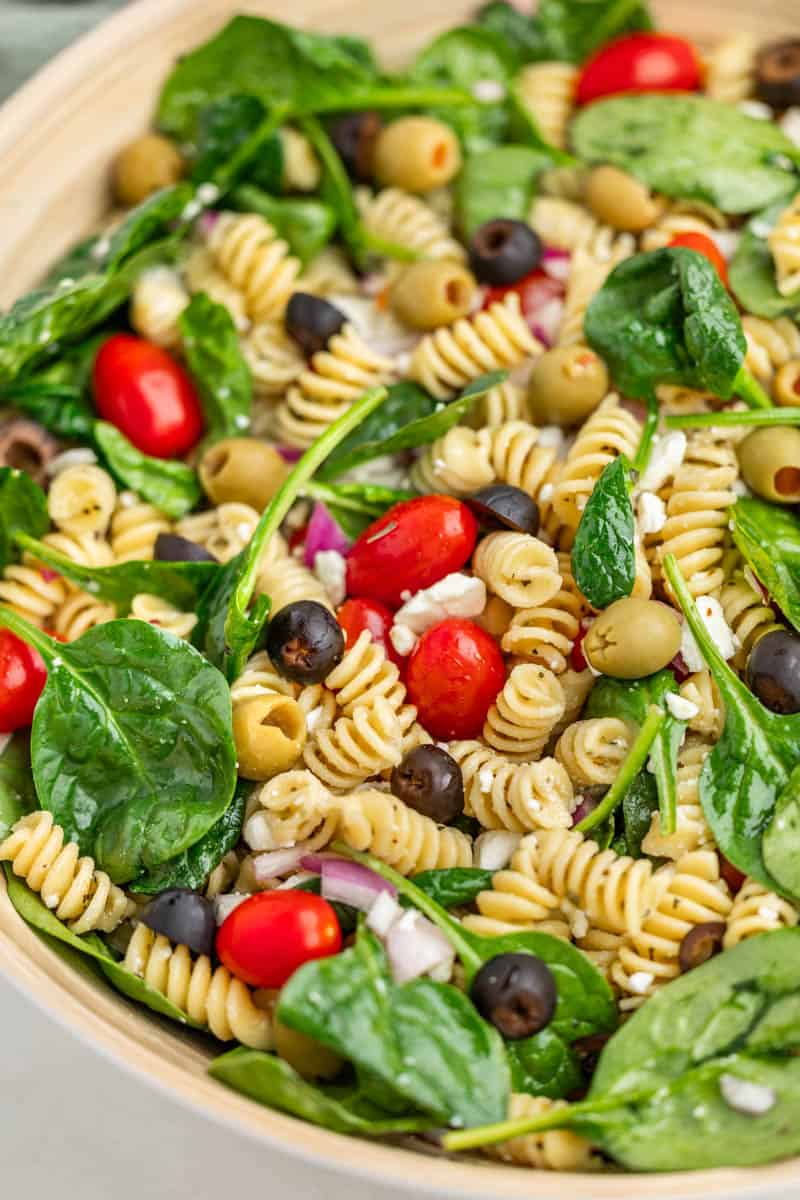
(731, 874)
(707, 247)
(577, 659)
(358, 614)
(142, 390)
(454, 674)
(640, 62)
(271, 934)
(22, 677)
(411, 546)
(535, 292)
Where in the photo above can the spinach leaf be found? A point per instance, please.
(574, 29)
(638, 806)
(664, 317)
(409, 418)
(452, 887)
(752, 270)
(149, 222)
(768, 537)
(691, 147)
(337, 192)
(131, 745)
(192, 868)
(23, 509)
(17, 794)
(61, 408)
(422, 1041)
(80, 259)
(659, 1093)
(544, 1065)
(603, 554)
(749, 768)
(215, 360)
(521, 32)
(226, 129)
(307, 225)
(271, 1081)
(499, 182)
(168, 483)
(355, 505)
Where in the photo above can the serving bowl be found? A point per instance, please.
(58, 136)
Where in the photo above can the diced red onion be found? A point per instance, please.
(556, 263)
(207, 221)
(679, 668)
(323, 533)
(289, 454)
(587, 805)
(547, 322)
(415, 946)
(295, 880)
(382, 915)
(352, 884)
(273, 863)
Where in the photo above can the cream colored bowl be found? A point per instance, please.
(57, 138)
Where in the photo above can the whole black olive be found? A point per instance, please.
(429, 780)
(502, 506)
(516, 993)
(312, 321)
(773, 671)
(778, 73)
(354, 136)
(171, 547)
(305, 641)
(503, 251)
(183, 916)
(701, 943)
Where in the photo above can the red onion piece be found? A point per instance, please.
(352, 884)
(587, 805)
(415, 946)
(679, 668)
(323, 533)
(206, 221)
(313, 861)
(273, 863)
(556, 263)
(548, 319)
(289, 454)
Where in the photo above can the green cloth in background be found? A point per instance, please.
(32, 31)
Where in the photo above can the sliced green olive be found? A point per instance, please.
(769, 460)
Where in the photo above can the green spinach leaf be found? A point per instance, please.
(638, 806)
(132, 747)
(169, 484)
(215, 360)
(499, 182)
(544, 1065)
(452, 887)
(354, 506)
(17, 793)
(23, 509)
(520, 31)
(752, 271)
(574, 29)
(226, 129)
(768, 537)
(59, 395)
(307, 225)
(603, 554)
(337, 192)
(691, 147)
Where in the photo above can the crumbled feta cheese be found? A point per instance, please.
(81, 456)
(652, 513)
(756, 109)
(207, 193)
(456, 595)
(331, 570)
(257, 832)
(726, 241)
(752, 1099)
(578, 923)
(379, 328)
(488, 91)
(493, 850)
(486, 779)
(551, 435)
(719, 631)
(681, 708)
(403, 639)
(790, 124)
(313, 719)
(740, 488)
(382, 915)
(224, 905)
(640, 981)
(667, 455)
(761, 228)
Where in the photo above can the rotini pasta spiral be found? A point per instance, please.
(601, 948)
(69, 884)
(703, 219)
(156, 611)
(757, 910)
(256, 261)
(589, 271)
(85, 548)
(519, 797)
(564, 225)
(593, 751)
(518, 567)
(223, 876)
(609, 432)
(79, 613)
(731, 69)
(357, 747)
(202, 274)
(691, 832)
(398, 217)
(784, 244)
(274, 359)
(747, 613)
(504, 402)
(32, 591)
(555, 1150)
(329, 274)
(286, 580)
(81, 500)
(210, 996)
(157, 302)
(701, 690)
(770, 345)
(519, 457)
(576, 686)
(547, 633)
(301, 169)
(378, 823)
(364, 675)
(224, 531)
(457, 463)
(525, 712)
(547, 91)
(135, 526)
(259, 678)
(293, 808)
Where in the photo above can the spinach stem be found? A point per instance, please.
(386, 249)
(753, 416)
(637, 756)
(556, 1118)
(645, 448)
(229, 171)
(706, 643)
(750, 390)
(412, 96)
(30, 634)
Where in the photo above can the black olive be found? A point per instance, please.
(504, 251)
(516, 993)
(778, 73)
(502, 506)
(354, 136)
(305, 641)
(171, 547)
(183, 916)
(430, 781)
(700, 944)
(773, 671)
(312, 321)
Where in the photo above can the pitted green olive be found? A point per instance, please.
(309, 1058)
(269, 733)
(633, 638)
(769, 460)
(566, 385)
(429, 294)
(416, 154)
(145, 165)
(619, 200)
(242, 470)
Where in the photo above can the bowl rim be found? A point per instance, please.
(95, 1018)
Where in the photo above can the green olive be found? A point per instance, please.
(145, 165)
(269, 733)
(242, 470)
(619, 200)
(769, 460)
(309, 1058)
(633, 638)
(416, 154)
(429, 294)
(786, 385)
(566, 385)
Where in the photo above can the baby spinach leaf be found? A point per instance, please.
(603, 554)
(768, 537)
(80, 259)
(215, 360)
(307, 225)
(226, 129)
(781, 840)
(131, 746)
(337, 192)
(355, 505)
(638, 806)
(23, 509)
(499, 182)
(271, 1081)
(691, 147)
(149, 222)
(750, 766)
(423, 1041)
(169, 484)
(574, 29)
(544, 1065)
(521, 32)
(17, 794)
(192, 868)
(61, 408)
(752, 270)
(452, 887)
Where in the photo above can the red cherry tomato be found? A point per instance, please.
(22, 677)
(535, 291)
(454, 674)
(731, 874)
(142, 390)
(411, 546)
(577, 659)
(640, 62)
(707, 247)
(271, 934)
(358, 614)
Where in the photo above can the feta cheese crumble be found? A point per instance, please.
(493, 849)
(403, 639)
(330, 569)
(681, 708)
(667, 455)
(456, 595)
(640, 981)
(719, 631)
(652, 512)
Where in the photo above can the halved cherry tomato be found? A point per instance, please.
(358, 614)
(271, 934)
(535, 291)
(22, 677)
(411, 546)
(707, 247)
(148, 396)
(454, 674)
(640, 62)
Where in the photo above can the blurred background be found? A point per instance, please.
(31, 31)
